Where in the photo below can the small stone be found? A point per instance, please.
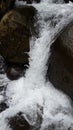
(14, 72)
(3, 106)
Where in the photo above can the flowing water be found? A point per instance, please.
(43, 106)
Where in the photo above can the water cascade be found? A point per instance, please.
(42, 106)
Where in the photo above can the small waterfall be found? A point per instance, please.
(32, 95)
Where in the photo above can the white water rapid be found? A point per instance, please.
(33, 95)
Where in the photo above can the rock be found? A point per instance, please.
(1, 88)
(3, 106)
(14, 72)
(60, 70)
(5, 6)
(18, 122)
(15, 34)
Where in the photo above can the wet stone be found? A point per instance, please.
(18, 122)
(3, 106)
(1, 88)
(16, 28)
(14, 72)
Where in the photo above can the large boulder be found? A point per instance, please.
(16, 27)
(14, 38)
(15, 34)
(60, 70)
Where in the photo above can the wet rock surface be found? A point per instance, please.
(18, 122)
(14, 72)
(3, 106)
(16, 28)
(13, 38)
(60, 70)
(15, 33)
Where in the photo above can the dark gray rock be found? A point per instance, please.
(3, 106)
(14, 72)
(14, 38)
(18, 122)
(60, 70)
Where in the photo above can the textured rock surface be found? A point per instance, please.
(14, 72)
(19, 123)
(60, 71)
(14, 40)
(14, 35)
